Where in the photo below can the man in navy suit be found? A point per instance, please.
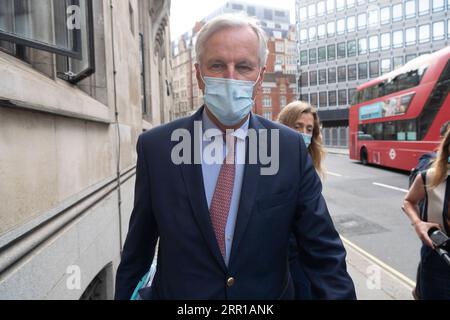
(224, 226)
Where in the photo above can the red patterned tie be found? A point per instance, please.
(221, 200)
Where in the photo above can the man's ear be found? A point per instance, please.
(200, 83)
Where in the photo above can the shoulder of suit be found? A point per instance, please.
(284, 130)
(165, 130)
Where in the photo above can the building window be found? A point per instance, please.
(341, 50)
(312, 56)
(323, 99)
(304, 57)
(397, 39)
(398, 62)
(438, 5)
(313, 78)
(352, 96)
(251, 11)
(351, 48)
(322, 52)
(321, 31)
(342, 74)
(373, 43)
(312, 11)
(267, 102)
(302, 14)
(330, 6)
(351, 72)
(283, 88)
(342, 97)
(268, 14)
(332, 99)
(410, 36)
(331, 50)
(320, 8)
(351, 24)
(331, 29)
(304, 98)
(268, 115)
(313, 99)
(385, 15)
(350, 4)
(332, 75)
(279, 46)
(373, 18)
(340, 26)
(424, 33)
(52, 26)
(362, 70)
(267, 91)
(362, 46)
(410, 9)
(303, 35)
(386, 66)
(424, 7)
(397, 12)
(362, 21)
(340, 5)
(283, 101)
(438, 30)
(304, 79)
(323, 76)
(312, 33)
(386, 41)
(279, 14)
(410, 57)
(374, 68)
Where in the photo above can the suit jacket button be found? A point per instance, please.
(230, 282)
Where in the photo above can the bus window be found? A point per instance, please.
(376, 130)
(389, 131)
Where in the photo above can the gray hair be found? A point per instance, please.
(231, 21)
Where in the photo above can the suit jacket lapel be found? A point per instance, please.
(193, 179)
(248, 194)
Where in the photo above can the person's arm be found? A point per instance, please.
(142, 234)
(411, 207)
(321, 251)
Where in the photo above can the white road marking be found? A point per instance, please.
(390, 187)
(334, 174)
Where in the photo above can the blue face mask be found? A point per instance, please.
(307, 138)
(229, 100)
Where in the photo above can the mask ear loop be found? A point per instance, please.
(254, 85)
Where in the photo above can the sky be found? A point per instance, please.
(184, 13)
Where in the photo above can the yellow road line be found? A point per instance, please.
(383, 265)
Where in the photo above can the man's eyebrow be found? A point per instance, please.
(248, 62)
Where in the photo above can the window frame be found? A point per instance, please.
(75, 52)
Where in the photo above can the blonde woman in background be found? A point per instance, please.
(303, 117)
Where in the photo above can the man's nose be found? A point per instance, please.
(230, 72)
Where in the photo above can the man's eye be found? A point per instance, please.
(244, 68)
(216, 66)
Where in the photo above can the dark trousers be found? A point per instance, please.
(433, 276)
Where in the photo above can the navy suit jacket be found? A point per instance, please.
(170, 203)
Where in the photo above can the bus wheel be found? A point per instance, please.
(364, 157)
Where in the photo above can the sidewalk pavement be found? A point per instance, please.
(373, 279)
(341, 151)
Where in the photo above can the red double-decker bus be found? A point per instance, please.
(397, 117)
